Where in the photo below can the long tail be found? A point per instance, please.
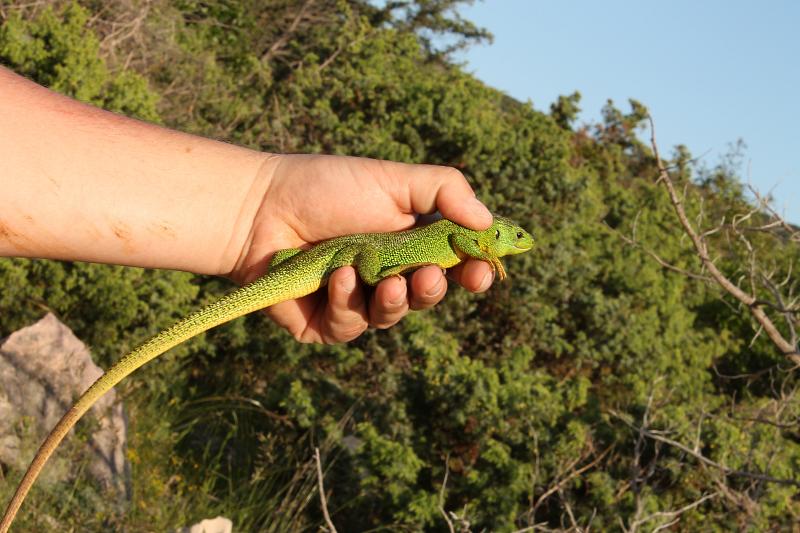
(268, 290)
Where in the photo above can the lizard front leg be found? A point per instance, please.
(364, 258)
(464, 244)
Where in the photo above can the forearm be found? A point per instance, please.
(79, 183)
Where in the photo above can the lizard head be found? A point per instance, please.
(507, 238)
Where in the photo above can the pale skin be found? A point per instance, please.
(83, 184)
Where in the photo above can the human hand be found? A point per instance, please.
(311, 198)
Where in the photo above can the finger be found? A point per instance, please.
(427, 188)
(428, 287)
(299, 317)
(345, 316)
(389, 302)
(473, 275)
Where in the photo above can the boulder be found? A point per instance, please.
(43, 369)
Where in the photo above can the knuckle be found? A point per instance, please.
(450, 174)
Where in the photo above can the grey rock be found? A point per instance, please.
(43, 369)
(351, 443)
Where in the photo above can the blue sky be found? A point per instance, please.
(710, 72)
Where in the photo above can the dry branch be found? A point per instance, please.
(570, 476)
(322, 499)
(283, 39)
(700, 244)
(442, 495)
(702, 458)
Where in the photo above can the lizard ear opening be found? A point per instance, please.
(497, 234)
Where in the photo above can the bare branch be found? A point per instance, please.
(659, 260)
(572, 475)
(322, 499)
(674, 516)
(281, 42)
(788, 314)
(794, 233)
(701, 248)
(442, 493)
(568, 509)
(702, 458)
(748, 376)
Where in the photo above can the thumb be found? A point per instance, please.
(429, 188)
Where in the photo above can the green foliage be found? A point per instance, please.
(565, 110)
(527, 400)
(55, 50)
(436, 23)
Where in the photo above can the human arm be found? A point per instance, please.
(80, 183)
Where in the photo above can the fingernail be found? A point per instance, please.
(348, 282)
(480, 211)
(486, 282)
(436, 289)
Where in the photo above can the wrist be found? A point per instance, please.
(237, 258)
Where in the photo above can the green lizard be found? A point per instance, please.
(293, 273)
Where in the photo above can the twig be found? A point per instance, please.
(575, 473)
(568, 509)
(442, 492)
(794, 234)
(323, 501)
(788, 314)
(673, 516)
(277, 45)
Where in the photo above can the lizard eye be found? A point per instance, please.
(497, 234)
(519, 235)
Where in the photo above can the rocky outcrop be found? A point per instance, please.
(43, 369)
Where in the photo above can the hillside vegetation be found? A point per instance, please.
(598, 387)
